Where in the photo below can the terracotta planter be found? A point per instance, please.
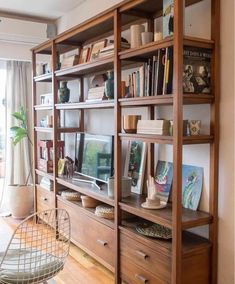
(20, 200)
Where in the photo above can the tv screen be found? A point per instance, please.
(94, 156)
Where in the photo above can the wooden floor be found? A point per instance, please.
(80, 268)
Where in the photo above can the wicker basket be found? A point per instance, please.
(89, 202)
(71, 195)
(105, 211)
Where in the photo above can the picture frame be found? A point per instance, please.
(135, 164)
(84, 55)
(95, 49)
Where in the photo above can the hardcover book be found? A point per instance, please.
(197, 70)
(168, 18)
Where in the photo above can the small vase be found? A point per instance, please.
(64, 92)
(109, 86)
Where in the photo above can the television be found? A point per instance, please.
(94, 156)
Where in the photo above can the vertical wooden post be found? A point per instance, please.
(82, 100)
(117, 142)
(177, 143)
(34, 102)
(214, 147)
(55, 119)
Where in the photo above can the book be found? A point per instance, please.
(160, 71)
(197, 70)
(158, 127)
(168, 18)
(168, 71)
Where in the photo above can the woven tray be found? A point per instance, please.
(154, 231)
(105, 211)
(71, 195)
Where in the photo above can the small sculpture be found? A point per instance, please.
(68, 167)
(64, 92)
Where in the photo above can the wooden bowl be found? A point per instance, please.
(89, 202)
(130, 123)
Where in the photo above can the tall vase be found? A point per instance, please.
(109, 86)
(64, 92)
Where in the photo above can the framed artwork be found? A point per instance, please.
(135, 164)
(96, 47)
(192, 179)
(84, 55)
(163, 179)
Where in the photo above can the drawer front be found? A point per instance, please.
(96, 237)
(45, 199)
(148, 259)
(133, 274)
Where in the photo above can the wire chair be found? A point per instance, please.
(37, 249)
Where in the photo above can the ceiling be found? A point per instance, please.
(51, 9)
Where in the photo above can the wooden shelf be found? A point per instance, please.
(163, 217)
(43, 129)
(86, 105)
(190, 242)
(68, 129)
(199, 42)
(43, 78)
(87, 189)
(89, 211)
(44, 174)
(102, 64)
(188, 99)
(160, 139)
(43, 107)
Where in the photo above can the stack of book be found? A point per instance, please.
(109, 50)
(154, 77)
(158, 127)
(95, 94)
(70, 61)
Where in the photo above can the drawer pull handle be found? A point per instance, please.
(103, 243)
(142, 254)
(44, 199)
(141, 278)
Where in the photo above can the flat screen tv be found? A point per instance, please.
(94, 156)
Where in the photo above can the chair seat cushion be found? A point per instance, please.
(21, 266)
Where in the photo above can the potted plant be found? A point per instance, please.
(20, 195)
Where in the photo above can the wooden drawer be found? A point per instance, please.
(134, 274)
(155, 262)
(45, 199)
(96, 238)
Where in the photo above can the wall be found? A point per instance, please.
(200, 27)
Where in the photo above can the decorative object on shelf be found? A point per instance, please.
(71, 195)
(46, 183)
(46, 99)
(70, 61)
(95, 49)
(66, 167)
(89, 202)
(130, 123)
(158, 36)
(152, 230)
(109, 49)
(49, 120)
(192, 180)
(146, 37)
(194, 127)
(163, 180)
(45, 161)
(46, 68)
(105, 211)
(135, 164)
(136, 31)
(39, 69)
(96, 94)
(185, 128)
(64, 92)
(84, 55)
(109, 85)
(168, 18)
(197, 70)
(157, 127)
(152, 200)
(126, 187)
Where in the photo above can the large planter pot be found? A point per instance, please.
(20, 200)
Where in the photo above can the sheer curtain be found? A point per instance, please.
(18, 94)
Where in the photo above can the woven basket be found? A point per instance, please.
(105, 211)
(89, 202)
(71, 195)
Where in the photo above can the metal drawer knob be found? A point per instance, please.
(103, 243)
(142, 254)
(44, 199)
(141, 278)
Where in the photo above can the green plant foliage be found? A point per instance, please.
(19, 132)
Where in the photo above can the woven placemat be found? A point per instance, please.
(71, 195)
(105, 211)
(154, 230)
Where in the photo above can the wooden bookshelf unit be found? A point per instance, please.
(188, 258)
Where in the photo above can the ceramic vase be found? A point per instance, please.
(109, 86)
(64, 92)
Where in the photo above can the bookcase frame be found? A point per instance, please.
(89, 31)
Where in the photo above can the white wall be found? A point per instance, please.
(199, 26)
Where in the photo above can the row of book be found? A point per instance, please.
(153, 77)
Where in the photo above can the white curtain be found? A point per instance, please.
(18, 94)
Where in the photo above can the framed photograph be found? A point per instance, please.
(96, 47)
(84, 55)
(135, 164)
